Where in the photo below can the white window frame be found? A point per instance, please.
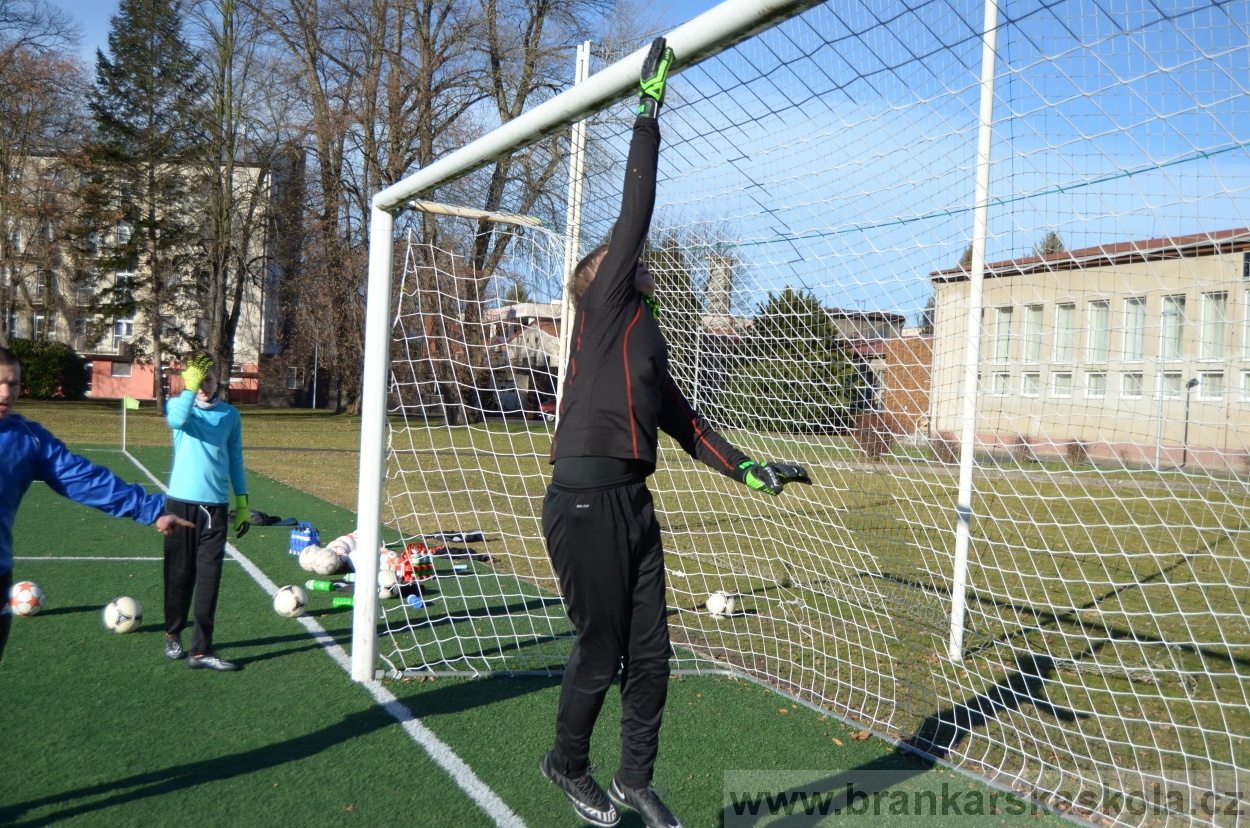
(1092, 393)
(1172, 328)
(1135, 329)
(1002, 384)
(1055, 391)
(1214, 325)
(1204, 386)
(1099, 343)
(294, 374)
(1125, 393)
(1002, 333)
(127, 369)
(1174, 392)
(1033, 315)
(1065, 332)
(1034, 378)
(1245, 386)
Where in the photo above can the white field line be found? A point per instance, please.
(438, 750)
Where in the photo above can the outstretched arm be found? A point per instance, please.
(696, 435)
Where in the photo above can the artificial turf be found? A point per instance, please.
(101, 730)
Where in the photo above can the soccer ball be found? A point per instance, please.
(290, 601)
(123, 615)
(721, 604)
(388, 584)
(25, 598)
(340, 547)
(305, 556)
(388, 559)
(325, 561)
(350, 540)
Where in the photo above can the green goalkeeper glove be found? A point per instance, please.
(193, 375)
(771, 478)
(242, 516)
(654, 75)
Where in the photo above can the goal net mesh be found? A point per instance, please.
(811, 247)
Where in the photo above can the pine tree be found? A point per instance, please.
(794, 373)
(144, 161)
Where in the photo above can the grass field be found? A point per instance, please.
(101, 730)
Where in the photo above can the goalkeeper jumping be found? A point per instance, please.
(598, 516)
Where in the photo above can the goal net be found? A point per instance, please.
(1000, 308)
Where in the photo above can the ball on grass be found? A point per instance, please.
(25, 598)
(721, 604)
(123, 615)
(388, 584)
(325, 561)
(305, 557)
(290, 601)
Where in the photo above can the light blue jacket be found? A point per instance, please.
(208, 451)
(29, 452)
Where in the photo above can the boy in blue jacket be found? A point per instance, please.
(208, 463)
(29, 452)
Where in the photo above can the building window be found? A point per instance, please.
(1031, 384)
(1002, 334)
(45, 326)
(1135, 329)
(294, 378)
(1245, 265)
(123, 330)
(1065, 332)
(1170, 385)
(1211, 385)
(1033, 333)
(1172, 329)
(1096, 385)
(1002, 384)
(1245, 386)
(1099, 331)
(1131, 386)
(1061, 384)
(1214, 324)
(121, 369)
(123, 232)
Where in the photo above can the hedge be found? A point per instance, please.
(50, 370)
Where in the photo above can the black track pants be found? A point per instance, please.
(6, 616)
(193, 560)
(605, 545)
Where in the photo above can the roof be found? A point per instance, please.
(869, 316)
(1149, 250)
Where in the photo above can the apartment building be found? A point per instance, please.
(1138, 350)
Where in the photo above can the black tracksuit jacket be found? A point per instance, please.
(617, 389)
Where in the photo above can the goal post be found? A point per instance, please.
(984, 269)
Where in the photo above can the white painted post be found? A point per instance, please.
(972, 345)
(573, 227)
(372, 446)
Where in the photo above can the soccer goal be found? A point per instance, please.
(983, 268)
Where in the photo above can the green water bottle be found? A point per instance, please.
(342, 601)
(320, 586)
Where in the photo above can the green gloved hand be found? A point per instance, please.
(654, 75)
(771, 478)
(198, 368)
(242, 516)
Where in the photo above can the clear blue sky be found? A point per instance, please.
(93, 16)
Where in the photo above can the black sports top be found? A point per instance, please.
(617, 389)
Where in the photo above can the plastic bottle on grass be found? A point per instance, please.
(342, 601)
(415, 601)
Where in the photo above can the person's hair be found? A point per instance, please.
(586, 271)
(9, 358)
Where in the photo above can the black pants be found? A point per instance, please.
(193, 560)
(6, 616)
(605, 545)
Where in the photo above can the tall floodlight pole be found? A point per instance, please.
(372, 446)
(972, 345)
(572, 228)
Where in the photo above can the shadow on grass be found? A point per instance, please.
(72, 610)
(937, 736)
(449, 699)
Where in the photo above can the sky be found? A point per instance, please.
(93, 16)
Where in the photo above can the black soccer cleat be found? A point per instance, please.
(646, 802)
(212, 661)
(173, 647)
(588, 799)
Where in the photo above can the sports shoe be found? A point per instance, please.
(173, 647)
(588, 799)
(212, 661)
(646, 802)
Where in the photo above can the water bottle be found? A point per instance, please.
(415, 601)
(342, 601)
(321, 586)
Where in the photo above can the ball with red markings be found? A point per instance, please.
(25, 598)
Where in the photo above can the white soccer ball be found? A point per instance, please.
(305, 557)
(388, 559)
(25, 598)
(325, 561)
(340, 548)
(350, 540)
(290, 601)
(123, 615)
(388, 584)
(721, 604)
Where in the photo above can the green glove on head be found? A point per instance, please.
(654, 75)
(242, 516)
(771, 478)
(197, 368)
